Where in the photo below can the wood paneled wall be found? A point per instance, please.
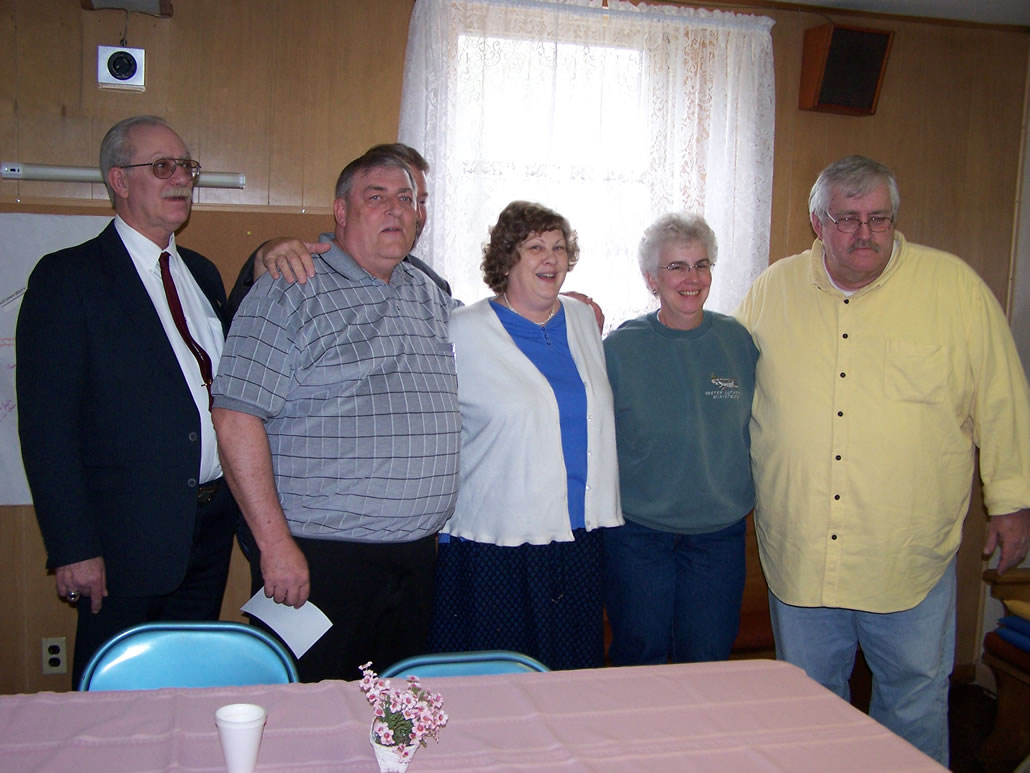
(288, 92)
(949, 123)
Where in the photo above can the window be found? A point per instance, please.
(611, 116)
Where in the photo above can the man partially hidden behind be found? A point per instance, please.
(117, 341)
(337, 416)
(293, 256)
(884, 365)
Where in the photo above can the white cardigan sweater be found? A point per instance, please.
(513, 481)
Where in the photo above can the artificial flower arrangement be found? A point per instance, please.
(405, 719)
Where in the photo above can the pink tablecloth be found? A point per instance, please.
(749, 715)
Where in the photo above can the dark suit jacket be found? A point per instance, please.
(110, 435)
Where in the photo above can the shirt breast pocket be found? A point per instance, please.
(915, 372)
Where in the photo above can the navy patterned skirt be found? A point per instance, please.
(543, 600)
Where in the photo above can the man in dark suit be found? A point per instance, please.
(117, 341)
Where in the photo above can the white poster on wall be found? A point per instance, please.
(24, 239)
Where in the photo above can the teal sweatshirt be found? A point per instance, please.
(682, 408)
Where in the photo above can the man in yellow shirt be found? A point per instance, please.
(884, 365)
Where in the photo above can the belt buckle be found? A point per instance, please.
(206, 492)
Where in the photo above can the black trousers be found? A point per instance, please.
(198, 597)
(379, 597)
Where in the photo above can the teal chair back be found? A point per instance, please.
(214, 654)
(474, 663)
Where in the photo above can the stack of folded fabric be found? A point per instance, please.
(1011, 639)
(1015, 627)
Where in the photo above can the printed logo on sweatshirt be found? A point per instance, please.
(728, 388)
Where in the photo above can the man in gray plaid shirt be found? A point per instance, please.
(336, 410)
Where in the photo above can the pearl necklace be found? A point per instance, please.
(554, 310)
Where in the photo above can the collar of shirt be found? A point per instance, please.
(144, 253)
(344, 264)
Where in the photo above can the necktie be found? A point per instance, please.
(175, 305)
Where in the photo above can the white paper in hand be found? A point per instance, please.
(299, 628)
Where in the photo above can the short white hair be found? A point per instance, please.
(674, 227)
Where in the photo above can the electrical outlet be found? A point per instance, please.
(55, 655)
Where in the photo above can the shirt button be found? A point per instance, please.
(836, 496)
(833, 536)
(192, 482)
(846, 300)
(840, 413)
(837, 457)
(192, 437)
(844, 336)
(842, 374)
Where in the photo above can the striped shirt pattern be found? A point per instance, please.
(355, 381)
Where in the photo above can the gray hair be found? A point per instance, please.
(678, 227)
(117, 150)
(372, 159)
(852, 176)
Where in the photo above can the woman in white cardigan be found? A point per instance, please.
(520, 564)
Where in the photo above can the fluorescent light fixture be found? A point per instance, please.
(152, 7)
(12, 170)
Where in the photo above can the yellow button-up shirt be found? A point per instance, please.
(866, 415)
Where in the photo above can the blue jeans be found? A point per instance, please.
(673, 597)
(910, 653)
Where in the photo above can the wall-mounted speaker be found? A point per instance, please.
(842, 68)
(121, 68)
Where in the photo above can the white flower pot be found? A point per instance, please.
(392, 759)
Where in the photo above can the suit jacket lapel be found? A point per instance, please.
(128, 291)
(211, 286)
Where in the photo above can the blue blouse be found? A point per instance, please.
(547, 347)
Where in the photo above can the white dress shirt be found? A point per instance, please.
(203, 324)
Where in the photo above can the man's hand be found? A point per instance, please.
(1010, 533)
(598, 313)
(86, 578)
(285, 572)
(289, 258)
(247, 465)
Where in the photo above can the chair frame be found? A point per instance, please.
(472, 663)
(102, 660)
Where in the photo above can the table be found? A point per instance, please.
(745, 715)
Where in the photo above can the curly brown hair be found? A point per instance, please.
(514, 225)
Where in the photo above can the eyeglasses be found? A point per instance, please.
(700, 268)
(164, 168)
(849, 225)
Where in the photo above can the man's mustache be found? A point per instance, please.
(178, 192)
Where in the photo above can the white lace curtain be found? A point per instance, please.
(611, 116)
